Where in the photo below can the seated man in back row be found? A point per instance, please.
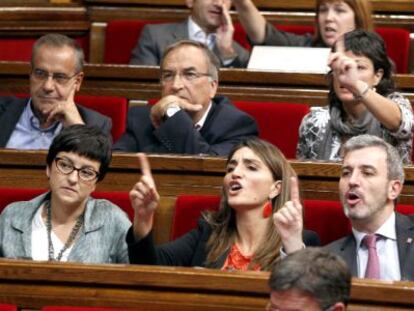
(56, 75)
(209, 23)
(188, 118)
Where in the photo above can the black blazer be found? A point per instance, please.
(225, 126)
(187, 251)
(346, 247)
(11, 108)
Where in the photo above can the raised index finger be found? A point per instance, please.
(294, 189)
(144, 164)
(340, 45)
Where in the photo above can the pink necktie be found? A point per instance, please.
(373, 268)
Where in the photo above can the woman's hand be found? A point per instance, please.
(144, 199)
(289, 220)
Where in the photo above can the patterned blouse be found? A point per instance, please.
(313, 128)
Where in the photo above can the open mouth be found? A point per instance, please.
(330, 31)
(353, 197)
(234, 187)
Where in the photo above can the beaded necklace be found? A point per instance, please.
(69, 241)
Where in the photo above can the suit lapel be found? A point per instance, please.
(9, 119)
(348, 253)
(405, 243)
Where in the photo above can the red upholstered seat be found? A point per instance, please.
(278, 122)
(114, 107)
(62, 308)
(10, 195)
(7, 307)
(322, 216)
(20, 49)
(121, 37)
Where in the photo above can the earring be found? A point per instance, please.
(267, 209)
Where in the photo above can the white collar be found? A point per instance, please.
(197, 34)
(386, 230)
(201, 122)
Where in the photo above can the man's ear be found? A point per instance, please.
(339, 306)
(79, 80)
(47, 171)
(213, 90)
(189, 3)
(394, 189)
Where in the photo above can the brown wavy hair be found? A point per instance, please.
(223, 222)
(363, 17)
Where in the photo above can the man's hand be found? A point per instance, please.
(144, 199)
(64, 111)
(159, 109)
(224, 35)
(289, 220)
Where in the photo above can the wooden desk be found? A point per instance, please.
(141, 83)
(32, 285)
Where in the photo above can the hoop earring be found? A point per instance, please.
(267, 209)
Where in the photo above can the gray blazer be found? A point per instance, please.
(102, 238)
(346, 247)
(155, 38)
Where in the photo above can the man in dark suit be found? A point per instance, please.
(56, 74)
(189, 118)
(209, 23)
(381, 245)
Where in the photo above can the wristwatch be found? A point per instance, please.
(171, 110)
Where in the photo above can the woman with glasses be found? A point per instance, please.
(66, 223)
(242, 234)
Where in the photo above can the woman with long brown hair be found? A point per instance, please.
(241, 235)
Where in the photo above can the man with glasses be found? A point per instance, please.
(189, 118)
(311, 279)
(209, 22)
(66, 223)
(56, 75)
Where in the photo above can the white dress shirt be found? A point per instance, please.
(197, 34)
(387, 250)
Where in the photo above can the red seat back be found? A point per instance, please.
(62, 308)
(114, 107)
(8, 307)
(278, 122)
(20, 49)
(121, 37)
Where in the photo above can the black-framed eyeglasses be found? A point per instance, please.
(59, 78)
(66, 167)
(168, 76)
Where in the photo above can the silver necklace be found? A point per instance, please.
(69, 241)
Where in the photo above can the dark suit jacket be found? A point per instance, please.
(11, 108)
(225, 126)
(155, 38)
(187, 251)
(346, 247)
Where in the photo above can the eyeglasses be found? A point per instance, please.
(59, 78)
(66, 167)
(188, 75)
(271, 307)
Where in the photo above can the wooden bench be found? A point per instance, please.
(32, 285)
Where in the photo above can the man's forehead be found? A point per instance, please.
(185, 57)
(369, 156)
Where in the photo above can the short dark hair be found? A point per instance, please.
(315, 272)
(87, 141)
(212, 61)
(59, 41)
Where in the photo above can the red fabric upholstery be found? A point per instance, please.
(10, 195)
(187, 211)
(278, 122)
(20, 49)
(114, 107)
(7, 307)
(121, 37)
(61, 308)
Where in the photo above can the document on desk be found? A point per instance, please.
(289, 59)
